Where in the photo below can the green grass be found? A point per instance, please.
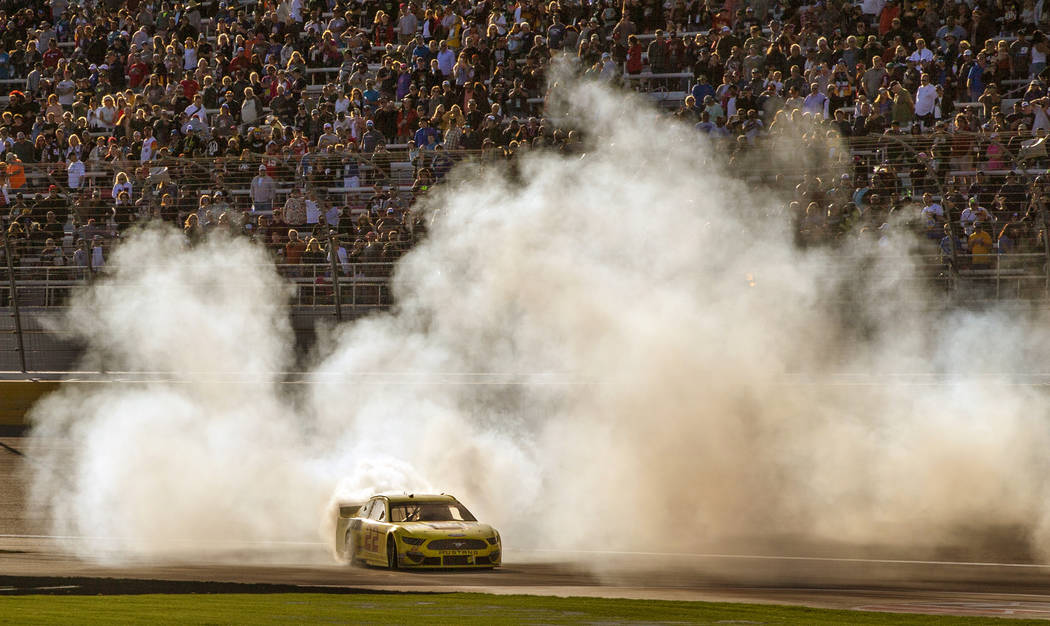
(418, 608)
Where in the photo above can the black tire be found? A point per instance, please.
(391, 553)
(348, 548)
(340, 547)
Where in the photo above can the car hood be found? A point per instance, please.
(447, 529)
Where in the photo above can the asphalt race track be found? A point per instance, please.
(33, 562)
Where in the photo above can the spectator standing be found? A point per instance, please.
(657, 53)
(925, 100)
(263, 190)
(981, 245)
(312, 208)
(75, 173)
(295, 208)
(975, 78)
(815, 102)
(903, 105)
(372, 138)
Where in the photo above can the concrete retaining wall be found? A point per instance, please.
(16, 396)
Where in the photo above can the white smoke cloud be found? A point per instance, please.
(579, 355)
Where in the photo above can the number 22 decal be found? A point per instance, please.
(371, 540)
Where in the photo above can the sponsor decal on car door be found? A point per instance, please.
(373, 534)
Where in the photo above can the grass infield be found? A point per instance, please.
(437, 608)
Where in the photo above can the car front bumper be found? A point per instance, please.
(459, 560)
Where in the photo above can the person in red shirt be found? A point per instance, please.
(891, 11)
(138, 71)
(241, 60)
(52, 54)
(190, 86)
(634, 55)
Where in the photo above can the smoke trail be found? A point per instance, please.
(639, 392)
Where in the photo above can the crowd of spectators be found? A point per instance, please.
(313, 126)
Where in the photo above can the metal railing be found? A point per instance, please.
(32, 299)
(29, 340)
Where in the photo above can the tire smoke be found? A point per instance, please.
(620, 348)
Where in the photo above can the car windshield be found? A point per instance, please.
(430, 512)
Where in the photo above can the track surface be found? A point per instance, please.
(31, 561)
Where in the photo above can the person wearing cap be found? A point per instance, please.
(950, 28)
(372, 138)
(610, 70)
(263, 191)
(328, 137)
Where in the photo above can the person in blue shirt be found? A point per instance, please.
(370, 94)
(422, 51)
(975, 78)
(441, 163)
(704, 125)
(425, 133)
(702, 89)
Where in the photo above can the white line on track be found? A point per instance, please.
(196, 541)
(775, 557)
(698, 555)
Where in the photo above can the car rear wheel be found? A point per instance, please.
(391, 553)
(348, 548)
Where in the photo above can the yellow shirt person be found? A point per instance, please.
(980, 248)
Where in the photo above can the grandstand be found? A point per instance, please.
(314, 127)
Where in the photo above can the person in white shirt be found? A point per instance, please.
(932, 214)
(341, 257)
(196, 109)
(872, 7)
(331, 216)
(313, 208)
(446, 58)
(925, 100)
(1041, 120)
(75, 172)
(922, 54)
(66, 89)
(189, 55)
(97, 260)
(149, 144)
(121, 183)
(342, 104)
(973, 213)
(106, 115)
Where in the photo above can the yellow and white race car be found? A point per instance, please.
(413, 530)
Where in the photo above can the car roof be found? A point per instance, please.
(416, 497)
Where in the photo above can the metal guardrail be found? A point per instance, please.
(43, 286)
(29, 295)
(354, 289)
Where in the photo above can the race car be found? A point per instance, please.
(413, 530)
